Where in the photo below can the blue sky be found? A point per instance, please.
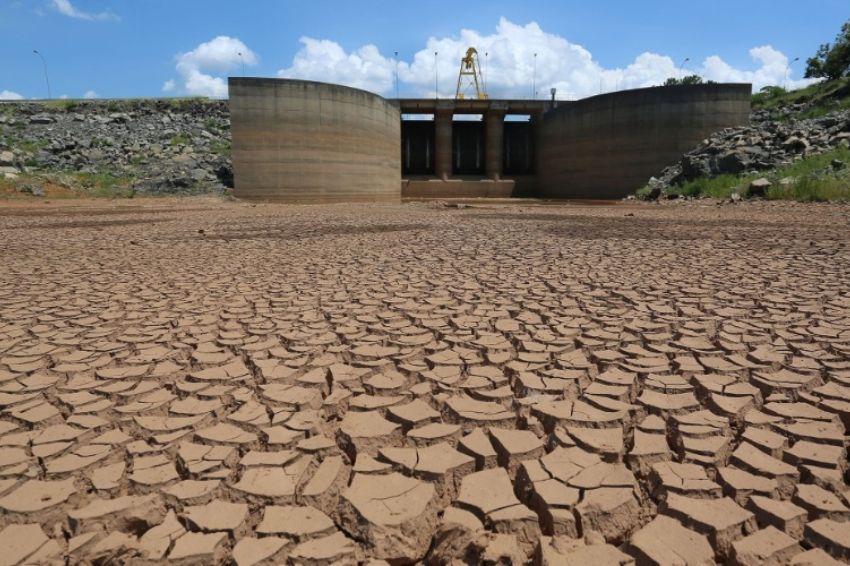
(140, 48)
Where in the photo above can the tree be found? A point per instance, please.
(832, 61)
(689, 80)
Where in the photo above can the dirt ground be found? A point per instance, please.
(201, 381)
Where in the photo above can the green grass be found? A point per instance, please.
(824, 108)
(181, 139)
(813, 181)
(721, 186)
(809, 189)
(186, 102)
(220, 147)
(211, 125)
(823, 98)
(30, 146)
(105, 184)
(66, 104)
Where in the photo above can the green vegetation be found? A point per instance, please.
(181, 139)
(832, 61)
(689, 80)
(721, 186)
(66, 104)
(810, 179)
(184, 103)
(220, 147)
(102, 142)
(30, 146)
(211, 125)
(104, 184)
(822, 98)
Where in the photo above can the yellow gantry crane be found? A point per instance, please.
(470, 69)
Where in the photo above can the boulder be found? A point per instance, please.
(758, 187)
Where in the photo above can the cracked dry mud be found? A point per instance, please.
(203, 382)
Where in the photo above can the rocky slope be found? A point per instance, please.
(774, 138)
(137, 146)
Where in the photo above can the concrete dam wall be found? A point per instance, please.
(311, 142)
(608, 146)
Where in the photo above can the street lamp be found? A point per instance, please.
(682, 67)
(47, 80)
(396, 73)
(436, 91)
(486, 53)
(552, 91)
(788, 68)
(242, 61)
(534, 79)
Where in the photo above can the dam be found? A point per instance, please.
(311, 142)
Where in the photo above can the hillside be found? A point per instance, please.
(796, 147)
(116, 147)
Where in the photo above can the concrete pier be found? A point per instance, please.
(443, 143)
(494, 127)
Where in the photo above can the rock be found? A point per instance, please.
(796, 144)
(765, 144)
(135, 139)
(758, 187)
(7, 158)
(42, 118)
(693, 167)
(837, 164)
(731, 162)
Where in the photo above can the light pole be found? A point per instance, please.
(47, 80)
(486, 54)
(788, 68)
(552, 91)
(436, 91)
(534, 79)
(682, 67)
(242, 61)
(396, 73)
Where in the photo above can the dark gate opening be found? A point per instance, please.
(417, 147)
(467, 147)
(519, 149)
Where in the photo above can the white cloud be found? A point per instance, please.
(325, 60)
(774, 65)
(65, 8)
(91, 94)
(10, 95)
(510, 68)
(218, 56)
